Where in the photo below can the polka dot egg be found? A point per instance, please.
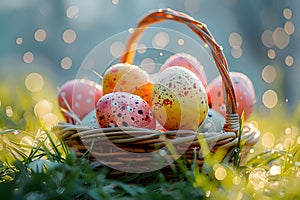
(244, 92)
(78, 97)
(124, 109)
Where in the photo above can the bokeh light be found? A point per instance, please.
(42, 108)
(19, 41)
(40, 35)
(28, 57)
(72, 12)
(275, 170)
(289, 61)
(220, 172)
(271, 54)
(269, 74)
(115, 2)
(192, 6)
(258, 178)
(236, 53)
(235, 40)
(50, 120)
(287, 13)
(9, 111)
(34, 82)
(289, 28)
(160, 40)
(117, 49)
(268, 140)
(281, 38)
(141, 48)
(270, 99)
(180, 42)
(66, 63)
(148, 65)
(267, 39)
(69, 36)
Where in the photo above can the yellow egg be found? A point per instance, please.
(179, 99)
(123, 77)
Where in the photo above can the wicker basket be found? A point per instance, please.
(142, 150)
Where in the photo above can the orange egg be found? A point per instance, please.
(123, 77)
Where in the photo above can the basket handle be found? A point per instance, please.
(200, 29)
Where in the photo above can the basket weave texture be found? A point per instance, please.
(141, 149)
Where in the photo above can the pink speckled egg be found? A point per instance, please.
(78, 97)
(179, 99)
(244, 92)
(124, 109)
(187, 61)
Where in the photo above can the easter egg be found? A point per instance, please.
(187, 61)
(128, 78)
(124, 109)
(78, 97)
(179, 99)
(244, 92)
(214, 122)
(90, 120)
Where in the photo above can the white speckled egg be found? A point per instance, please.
(214, 122)
(179, 99)
(124, 109)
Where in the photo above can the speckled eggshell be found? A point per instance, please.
(179, 99)
(80, 95)
(123, 77)
(214, 122)
(124, 109)
(90, 120)
(244, 92)
(187, 61)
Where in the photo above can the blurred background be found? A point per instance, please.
(43, 43)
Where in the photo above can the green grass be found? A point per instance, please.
(35, 164)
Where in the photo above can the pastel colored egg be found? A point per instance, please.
(187, 61)
(78, 97)
(179, 99)
(214, 122)
(124, 109)
(90, 119)
(123, 77)
(244, 92)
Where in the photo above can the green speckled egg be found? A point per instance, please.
(213, 122)
(90, 119)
